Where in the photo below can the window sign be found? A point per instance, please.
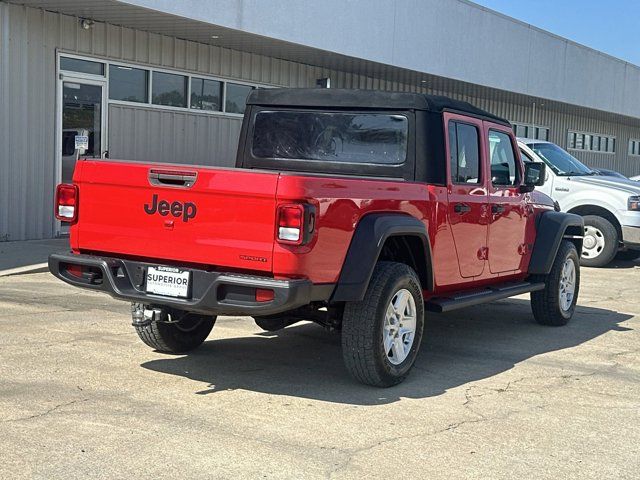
(82, 142)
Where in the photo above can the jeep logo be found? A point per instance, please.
(186, 210)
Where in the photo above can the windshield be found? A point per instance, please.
(559, 160)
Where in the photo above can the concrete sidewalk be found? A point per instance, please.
(28, 256)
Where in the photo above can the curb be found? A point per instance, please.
(35, 268)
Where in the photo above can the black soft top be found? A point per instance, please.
(364, 99)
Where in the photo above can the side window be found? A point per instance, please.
(525, 157)
(504, 167)
(464, 153)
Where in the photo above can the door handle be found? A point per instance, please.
(461, 208)
(175, 178)
(495, 208)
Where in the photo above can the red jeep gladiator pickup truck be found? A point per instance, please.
(358, 210)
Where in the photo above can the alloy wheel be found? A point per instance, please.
(399, 326)
(567, 284)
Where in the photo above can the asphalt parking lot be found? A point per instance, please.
(493, 395)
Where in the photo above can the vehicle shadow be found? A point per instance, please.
(618, 264)
(460, 347)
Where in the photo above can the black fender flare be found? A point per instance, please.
(552, 228)
(366, 244)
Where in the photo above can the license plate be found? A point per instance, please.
(168, 281)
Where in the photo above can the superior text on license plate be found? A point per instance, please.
(168, 281)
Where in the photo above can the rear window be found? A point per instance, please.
(356, 138)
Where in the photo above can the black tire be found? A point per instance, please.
(599, 256)
(273, 323)
(546, 304)
(628, 255)
(179, 337)
(363, 327)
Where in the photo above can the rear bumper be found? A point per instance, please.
(212, 293)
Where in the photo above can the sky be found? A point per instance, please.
(611, 26)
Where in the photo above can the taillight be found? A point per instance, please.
(296, 222)
(66, 202)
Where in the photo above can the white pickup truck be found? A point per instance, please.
(610, 205)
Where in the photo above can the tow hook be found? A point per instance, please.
(141, 315)
(144, 315)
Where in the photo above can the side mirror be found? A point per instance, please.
(534, 176)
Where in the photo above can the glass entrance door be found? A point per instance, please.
(82, 126)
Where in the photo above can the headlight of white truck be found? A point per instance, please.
(634, 203)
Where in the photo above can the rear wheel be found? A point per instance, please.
(381, 334)
(555, 304)
(600, 242)
(177, 332)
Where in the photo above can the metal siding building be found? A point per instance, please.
(507, 67)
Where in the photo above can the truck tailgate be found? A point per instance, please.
(225, 218)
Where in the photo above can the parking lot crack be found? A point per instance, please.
(46, 412)
(451, 427)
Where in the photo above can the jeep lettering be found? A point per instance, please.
(187, 210)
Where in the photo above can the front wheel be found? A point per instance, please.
(177, 332)
(556, 304)
(600, 242)
(381, 334)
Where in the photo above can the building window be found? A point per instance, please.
(128, 84)
(591, 142)
(520, 130)
(236, 97)
(529, 131)
(542, 133)
(634, 147)
(169, 89)
(206, 94)
(464, 153)
(81, 66)
(148, 86)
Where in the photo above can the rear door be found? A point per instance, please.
(507, 207)
(218, 217)
(467, 192)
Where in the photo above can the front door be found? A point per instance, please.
(507, 207)
(467, 192)
(80, 124)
